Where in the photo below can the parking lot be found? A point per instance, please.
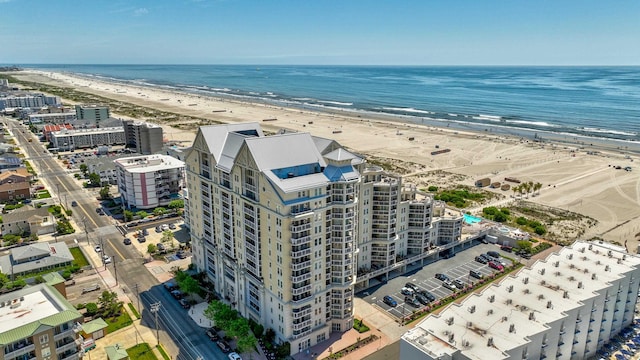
(457, 267)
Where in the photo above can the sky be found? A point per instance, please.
(322, 32)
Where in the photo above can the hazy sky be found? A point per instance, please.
(403, 32)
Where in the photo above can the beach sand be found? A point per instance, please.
(572, 179)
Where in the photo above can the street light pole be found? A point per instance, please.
(155, 307)
(86, 233)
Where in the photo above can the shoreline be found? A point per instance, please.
(500, 128)
(570, 171)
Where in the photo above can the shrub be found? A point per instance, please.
(92, 309)
(432, 188)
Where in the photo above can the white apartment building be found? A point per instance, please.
(564, 307)
(276, 222)
(28, 101)
(149, 181)
(87, 138)
(52, 118)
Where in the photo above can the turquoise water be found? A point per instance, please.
(599, 102)
(470, 219)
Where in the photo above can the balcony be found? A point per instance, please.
(301, 278)
(63, 334)
(302, 240)
(301, 325)
(20, 351)
(301, 290)
(69, 346)
(301, 313)
(301, 253)
(299, 228)
(300, 266)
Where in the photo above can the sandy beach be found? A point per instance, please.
(572, 179)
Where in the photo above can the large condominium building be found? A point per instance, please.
(86, 138)
(38, 323)
(565, 307)
(146, 182)
(145, 138)
(28, 101)
(92, 113)
(52, 118)
(276, 222)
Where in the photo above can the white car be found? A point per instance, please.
(97, 248)
(234, 356)
(106, 259)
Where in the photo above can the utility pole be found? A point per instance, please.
(86, 233)
(58, 193)
(155, 307)
(115, 271)
(138, 296)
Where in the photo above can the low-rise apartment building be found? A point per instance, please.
(566, 306)
(86, 138)
(149, 181)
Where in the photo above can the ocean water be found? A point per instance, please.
(592, 101)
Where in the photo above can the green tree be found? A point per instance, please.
(142, 214)
(524, 245)
(176, 204)
(94, 180)
(246, 343)
(4, 279)
(189, 285)
(109, 304)
(84, 169)
(104, 192)
(128, 215)
(167, 236)
(159, 211)
(537, 187)
(92, 309)
(152, 248)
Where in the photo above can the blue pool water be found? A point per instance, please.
(470, 219)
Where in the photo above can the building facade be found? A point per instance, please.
(146, 182)
(92, 113)
(28, 101)
(86, 138)
(52, 118)
(143, 137)
(39, 323)
(564, 307)
(279, 225)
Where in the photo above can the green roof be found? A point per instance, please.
(67, 314)
(94, 325)
(53, 278)
(116, 352)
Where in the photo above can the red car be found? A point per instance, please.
(496, 265)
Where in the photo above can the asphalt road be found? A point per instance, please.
(184, 338)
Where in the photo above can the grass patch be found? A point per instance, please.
(164, 354)
(119, 322)
(141, 352)
(134, 311)
(29, 168)
(360, 326)
(44, 194)
(460, 197)
(78, 256)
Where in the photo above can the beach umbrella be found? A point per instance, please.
(620, 357)
(625, 352)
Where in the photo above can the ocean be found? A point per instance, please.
(602, 102)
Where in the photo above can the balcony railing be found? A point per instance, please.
(300, 253)
(299, 228)
(301, 278)
(19, 352)
(301, 290)
(300, 266)
(300, 240)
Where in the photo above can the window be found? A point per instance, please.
(44, 339)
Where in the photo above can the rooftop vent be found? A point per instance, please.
(607, 268)
(512, 328)
(490, 312)
(509, 302)
(590, 246)
(510, 288)
(525, 280)
(472, 309)
(466, 343)
(549, 305)
(540, 297)
(556, 264)
(624, 257)
(565, 294)
(527, 291)
(619, 261)
(579, 284)
(572, 278)
(609, 253)
(582, 250)
(541, 271)
(569, 256)
(449, 321)
(490, 341)
(451, 337)
(598, 262)
(469, 324)
(593, 276)
(557, 273)
(572, 266)
(585, 258)
(492, 298)
(504, 318)
(532, 316)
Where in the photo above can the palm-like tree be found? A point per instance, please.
(537, 187)
(525, 188)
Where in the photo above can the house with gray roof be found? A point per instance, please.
(35, 258)
(28, 220)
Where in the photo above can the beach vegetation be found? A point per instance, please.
(460, 197)
(495, 214)
(432, 188)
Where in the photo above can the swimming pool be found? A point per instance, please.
(470, 219)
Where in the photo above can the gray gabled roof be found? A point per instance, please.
(230, 150)
(58, 254)
(23, 213)
(284, 151)
(340, 155)
(324, 145)
(216, 135)
(34, 250)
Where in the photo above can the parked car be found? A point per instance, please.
(412, 302)
(74, 203)
(481, 259)
(212, 334)
(100, 211)
(184, 303)
(145, 232)
(449, 285)
(177, 294)
(97, 248)
(106, 259)
(428, 295)
(458, 283)
(234, 356)
(164, 227)
(476, 274)
(506, 248)
(172, 226)
(442, 277)
(389, 301)
(412, 286)
(493, 254)
(161, 247)
(423, 299)
(141, 239)
(170, 285)
(158, 229)
(407, 291)
(126, 241)
(223, 346)
(181, 254)
(496, 265)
